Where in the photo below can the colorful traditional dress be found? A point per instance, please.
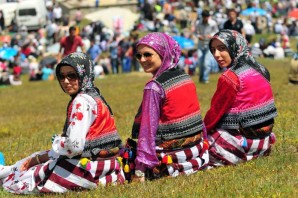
(241, 117)
(85, 155)
(168, 125)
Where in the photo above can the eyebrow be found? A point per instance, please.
(71, 72)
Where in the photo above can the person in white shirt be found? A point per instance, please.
(205, 29)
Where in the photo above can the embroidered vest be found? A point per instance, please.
(102, 134)
(180, 112)
(254, 103)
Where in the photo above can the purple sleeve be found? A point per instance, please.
(146, 152)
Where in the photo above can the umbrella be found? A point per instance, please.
(5, 39)
(115, 18)
(7, 53)
(48, 60)
(53, 49)
(185, 43)
(293, 13)
(252, 10)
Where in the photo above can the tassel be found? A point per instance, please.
(272, 138)
(131, 166)
(130, 154)
(170, 161)
(88, 166)
(205, 145)
(84, 162)
(164, 160)
(244, 142)
(126, 168)
(119, 159)
(125, 155)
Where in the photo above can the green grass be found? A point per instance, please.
(30, 114)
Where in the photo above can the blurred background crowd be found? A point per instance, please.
(108, 33)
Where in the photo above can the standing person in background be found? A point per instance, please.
(168, 124)
(233, 23)
(78, 16)
(205, 29)
(2, 21)
(70, 43)
(94, 51)
(57, 13)
(240, 120)
(113, 49)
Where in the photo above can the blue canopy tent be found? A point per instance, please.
(7, 53)
(185, 43)
(251, 10)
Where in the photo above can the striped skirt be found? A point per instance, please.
(181, 162)
(59, 176)
(228, 149)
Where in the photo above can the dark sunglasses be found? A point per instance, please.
(147, 56)
(70, 77)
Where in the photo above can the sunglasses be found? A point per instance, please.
(146, 55)
(70, 77)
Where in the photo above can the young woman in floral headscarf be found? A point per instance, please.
(168, 125)
(84, 155)
(241, 117)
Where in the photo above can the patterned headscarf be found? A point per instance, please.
(168, 49)
(239, 51)
(83, 67)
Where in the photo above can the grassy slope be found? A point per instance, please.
(32, 113)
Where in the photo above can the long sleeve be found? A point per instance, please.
(146, 150)
(83, 114)
(222, 99)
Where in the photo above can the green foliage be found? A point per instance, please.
(30, 114)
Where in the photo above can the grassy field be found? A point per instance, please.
(30, 114)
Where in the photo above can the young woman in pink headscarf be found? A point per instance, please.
(168, 125)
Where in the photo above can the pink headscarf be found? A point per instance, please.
(168, 49)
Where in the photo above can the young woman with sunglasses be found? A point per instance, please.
(84, 155)
(168, 125)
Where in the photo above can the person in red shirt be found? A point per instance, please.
(70, 43)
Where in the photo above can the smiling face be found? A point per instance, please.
(69, 80)
(150, 63)
(220, 53)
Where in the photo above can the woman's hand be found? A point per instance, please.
(32, 161)
(28, 163)
(137, 179)
(139, 176)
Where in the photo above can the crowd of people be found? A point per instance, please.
(112, 49)
(169, 136)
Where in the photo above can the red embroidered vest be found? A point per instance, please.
(180, 111)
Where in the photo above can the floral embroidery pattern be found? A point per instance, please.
(78, 115)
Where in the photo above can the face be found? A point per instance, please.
(220, 53)
(69, 80)
(232, 15)
(148, 58)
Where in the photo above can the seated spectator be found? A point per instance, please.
(47, 73)
(256, 51)
(293, 73)
(278, 51)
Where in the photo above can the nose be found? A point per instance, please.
(65, 80)
(143, 59)
(216, 53)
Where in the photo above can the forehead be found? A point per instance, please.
(144, 48)
(67, 69)
(215, 43)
